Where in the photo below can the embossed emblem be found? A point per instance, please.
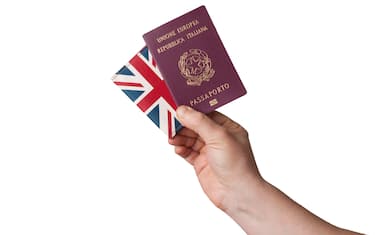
(195, 66)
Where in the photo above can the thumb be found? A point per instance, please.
(198, 122)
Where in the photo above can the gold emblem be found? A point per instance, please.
(213, 102)
(195, 66)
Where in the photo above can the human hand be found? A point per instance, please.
(220, 151)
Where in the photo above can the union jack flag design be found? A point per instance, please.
(142, 82)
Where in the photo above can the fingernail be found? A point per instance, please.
(182, 110)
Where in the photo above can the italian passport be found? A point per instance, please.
(193, 62)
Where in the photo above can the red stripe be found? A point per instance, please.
(128, 84)
(169, 124)
(153, 62)
(146, 71)
(148, 100)
(160, 88)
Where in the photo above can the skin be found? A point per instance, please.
(220, 152)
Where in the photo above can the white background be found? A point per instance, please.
(77, 157)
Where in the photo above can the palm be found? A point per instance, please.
(209, 181)
(197, 153)
(210, 159)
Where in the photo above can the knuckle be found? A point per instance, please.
(222, 133)
(199, 117)
(245, 133)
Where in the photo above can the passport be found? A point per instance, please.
(194, 63)
(141, 81)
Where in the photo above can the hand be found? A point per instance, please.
(220, 151)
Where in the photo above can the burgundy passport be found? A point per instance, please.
(193, 62)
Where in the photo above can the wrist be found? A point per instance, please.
(246, 200)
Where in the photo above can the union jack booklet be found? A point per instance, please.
(142, 82)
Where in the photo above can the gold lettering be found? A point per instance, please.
(196, 32)
(166, 36)
(211, 93)
(187, 26)
(170, 45)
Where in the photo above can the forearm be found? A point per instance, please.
(269, 211)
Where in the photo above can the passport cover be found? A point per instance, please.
(141, 81)
(194, 63)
